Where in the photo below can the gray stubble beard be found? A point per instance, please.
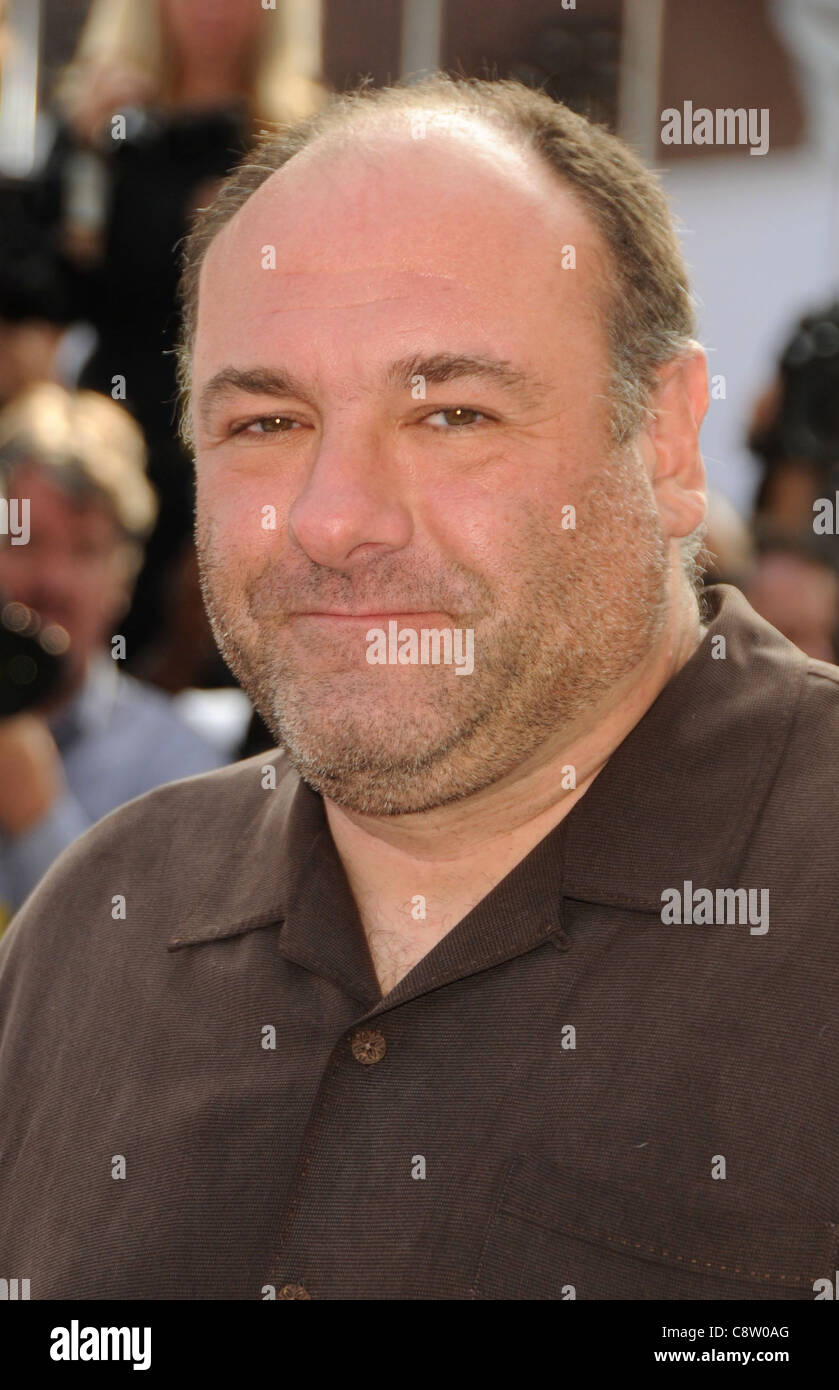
(534, 675)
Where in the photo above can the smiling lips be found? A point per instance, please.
(381, 617)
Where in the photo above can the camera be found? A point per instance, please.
(32, 658)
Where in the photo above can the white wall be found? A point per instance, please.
(759, 236)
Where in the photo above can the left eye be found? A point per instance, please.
(458, 416)
(267, 424)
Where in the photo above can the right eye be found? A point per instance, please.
(266, 424)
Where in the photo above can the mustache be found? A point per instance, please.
(275, 592)
(264, 600)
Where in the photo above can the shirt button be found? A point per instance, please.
(293, 1291)
(368, 1046)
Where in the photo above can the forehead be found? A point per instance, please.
(383, 240)
(51, 492)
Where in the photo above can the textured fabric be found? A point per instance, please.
(456, 1139)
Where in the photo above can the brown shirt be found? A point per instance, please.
(567, 1096)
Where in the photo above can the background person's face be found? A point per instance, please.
(213, 30)
(800, 599)
(68, 570)
(392, 505)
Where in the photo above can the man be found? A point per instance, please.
(74, 466)
(407, 1010)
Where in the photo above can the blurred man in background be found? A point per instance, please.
(102, 737)
(794, 431)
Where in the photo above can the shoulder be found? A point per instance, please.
(218, 803)
(804, 787)
(173, 850)
(816, 725)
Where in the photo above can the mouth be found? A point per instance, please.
(375, 619)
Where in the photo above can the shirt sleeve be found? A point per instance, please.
(27, 857)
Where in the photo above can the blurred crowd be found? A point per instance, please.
(110, 682)
(785, 556)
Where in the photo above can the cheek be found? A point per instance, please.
(238, 516)
(466, 515)
(491, 530)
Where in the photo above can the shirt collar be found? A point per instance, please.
(678, 799)
(285, 870)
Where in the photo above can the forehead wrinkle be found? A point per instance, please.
(344, 304)
(304, 288)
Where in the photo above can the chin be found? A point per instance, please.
(389, 746)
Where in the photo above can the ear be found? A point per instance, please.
(670, 442)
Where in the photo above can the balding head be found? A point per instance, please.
(650, 316)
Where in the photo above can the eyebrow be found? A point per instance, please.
(447, 366)
(436, 369)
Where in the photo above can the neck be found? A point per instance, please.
(454, 855)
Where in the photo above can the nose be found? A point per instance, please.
(353, 503)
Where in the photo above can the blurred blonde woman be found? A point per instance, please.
(160, 101)
(192, 53)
